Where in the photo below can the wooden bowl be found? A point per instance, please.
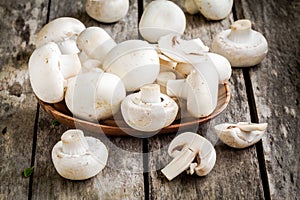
(117, 126)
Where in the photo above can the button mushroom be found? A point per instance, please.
(160, 18)
(94, 95)
(211, 9)
(241, 45)
(136, 62)
(240, 135)
(95, 43)
(49, 70)
(107, 11)
(149, 110)
(187, 148)
(63, 31)
(76, 157)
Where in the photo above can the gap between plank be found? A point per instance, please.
(35, 130)
(145, 140)
(259, 145)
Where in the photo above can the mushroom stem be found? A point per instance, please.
(179, 164)
(240, 31)
(178, 88)
(74, 143)
(150, 93)
(191, 7)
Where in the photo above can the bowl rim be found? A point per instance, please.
(73, 122)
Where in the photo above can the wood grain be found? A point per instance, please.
(275, 84)
(18, 23)
(236, 173)
(122, 178)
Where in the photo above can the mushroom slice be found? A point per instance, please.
(63, 31)
(182, 51)
(184, 149)
(161, 18)
(149, 110)
(240, 135)
(163, 78)
(241, 45)
(107, 11)
(76, 157)
(200, 88)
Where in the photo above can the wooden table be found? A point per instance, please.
(268, 92)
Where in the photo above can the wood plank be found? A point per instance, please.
(236, 173)
(19, 21)
(123, 176)
(275, 84)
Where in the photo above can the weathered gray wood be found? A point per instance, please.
(276, 90)
(236, 173)
(19, 21)
(123, 177)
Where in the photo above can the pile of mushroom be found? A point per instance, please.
(93, 74)
(97, 78)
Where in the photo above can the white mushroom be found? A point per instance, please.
(149, 110)
(76, 157)
(136, 62)
(163, 78)
(160, 18)
(241, 45)
(185, 149)
(48, 71)
(182, 51)
(95, 43)
(107, 11)
(222, 66)
(94, 95)
(211, 9)
(63, 31)
(200, 88)
(240, 135)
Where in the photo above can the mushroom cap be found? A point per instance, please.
(131, 60)
(240, 135)
(46, 78)
(95, 42)
(246, 50)
(214, 9)
(83, 165)
(107, 11)
(70, 65)
(94, 95)
(59, 31)
(160, 18)
(222, 66)
(146, 116)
